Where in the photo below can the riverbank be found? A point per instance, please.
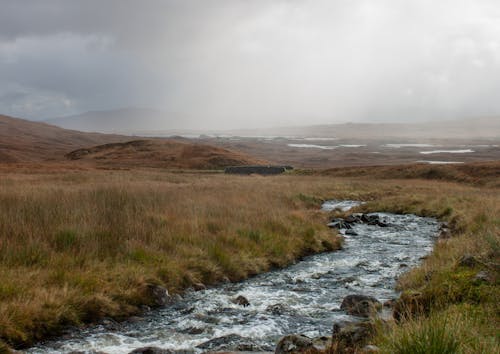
(82, 245)
(450, 303)
(302, 298)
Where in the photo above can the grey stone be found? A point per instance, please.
(158, 295)
(150, 350)
(360, 305)
(483, 276)
(351, 334)
(294, 343)
(467, 260)
(199, 286)
(241, 300)
(370, 349)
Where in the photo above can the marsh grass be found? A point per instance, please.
(458, 329)
(77, 246)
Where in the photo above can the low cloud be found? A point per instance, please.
(230, 64)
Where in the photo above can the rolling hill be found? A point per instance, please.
(26, 141)
(162, 153)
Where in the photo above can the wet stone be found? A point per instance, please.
(193, 330)
(348, 335)
(360, 305)
(199, 286)
(233, 342)
(151, 350)
(158, 295)
(241, 300)
(294, 343)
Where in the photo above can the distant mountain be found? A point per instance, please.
(149, 122)
(482, 128)
(22, 140)
(121, 121)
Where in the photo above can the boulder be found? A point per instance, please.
(276, 309)
(360, 305)
(382, 224)
(230, 342)
(241, 300)
(199, 286)
(338, 223)
(322, 343)
(467, 260)
(294, 343)
(157, 295)
(483, 277)
(370, 349)
(370, 218)
(279, 309)
(351, 232)
(353, 218)
(193, 330)
(349, 335)
(150, 350)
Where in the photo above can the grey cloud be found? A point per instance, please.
(253, 63)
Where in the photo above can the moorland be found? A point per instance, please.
(85, 239)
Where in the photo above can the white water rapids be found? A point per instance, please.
(303, 298)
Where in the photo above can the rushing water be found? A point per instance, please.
(303, 298)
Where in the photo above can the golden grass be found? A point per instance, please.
(79, 245)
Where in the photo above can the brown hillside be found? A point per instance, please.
(479, 173)
(162, 153)
(25, 141)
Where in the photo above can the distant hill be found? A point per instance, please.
(149, 122)
(482, 128)
(162, 153)
(121, 121)
(26, 141)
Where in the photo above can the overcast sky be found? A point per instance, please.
(230, 63)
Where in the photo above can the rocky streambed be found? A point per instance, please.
(253, 315)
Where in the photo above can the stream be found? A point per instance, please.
(303, 298)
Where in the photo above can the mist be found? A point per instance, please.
(249, 64)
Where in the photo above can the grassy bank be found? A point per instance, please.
(76, 246)
(450, 303)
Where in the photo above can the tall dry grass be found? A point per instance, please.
(76, 246)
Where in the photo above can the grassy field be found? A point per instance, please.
(76, 246)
